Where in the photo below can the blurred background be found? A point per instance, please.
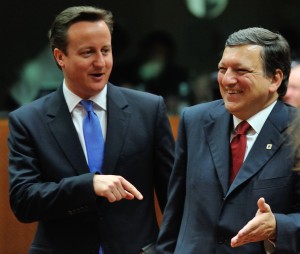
(166, 47)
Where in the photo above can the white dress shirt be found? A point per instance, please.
(78, 112)
(257, 121)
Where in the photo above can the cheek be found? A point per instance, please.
(109, 63)
(76, 66)
(220, 78)
(109, 66)
(82, 65)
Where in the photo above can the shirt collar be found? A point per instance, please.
(257, 121)
(72, 99)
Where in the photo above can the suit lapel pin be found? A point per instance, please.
(269, 146)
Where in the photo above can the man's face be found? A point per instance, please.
(292, 96)
(243, 85)
(88, 62)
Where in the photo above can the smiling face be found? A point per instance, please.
(243, 84)
(88, 62)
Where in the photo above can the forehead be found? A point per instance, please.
(249, 55)
(87, 28)
(295, 76)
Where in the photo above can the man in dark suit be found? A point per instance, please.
(259, 211)
(78, 211)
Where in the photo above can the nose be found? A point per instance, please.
(99, 60)
(227, 78)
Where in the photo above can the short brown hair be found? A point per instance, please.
(58, 31)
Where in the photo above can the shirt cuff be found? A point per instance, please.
(269, 246)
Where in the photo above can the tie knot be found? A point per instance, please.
(88, 105)
(243, 128)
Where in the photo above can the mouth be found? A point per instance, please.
(97, 75)
(234, 91)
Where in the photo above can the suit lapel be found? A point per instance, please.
(267, 143)
(118, 117)
(217, 133)
(62, 128)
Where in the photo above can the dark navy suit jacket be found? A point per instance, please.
(50, 180)
(203, 212)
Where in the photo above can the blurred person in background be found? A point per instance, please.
(203, 88)
(292, 95)
(294, 134)
(154, 70)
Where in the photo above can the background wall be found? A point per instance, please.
(24, 26)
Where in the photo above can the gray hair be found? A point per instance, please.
(276, 53)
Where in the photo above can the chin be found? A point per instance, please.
(97, 88)
(229, 104)
(231, 107)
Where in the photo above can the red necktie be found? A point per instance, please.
(238, 148)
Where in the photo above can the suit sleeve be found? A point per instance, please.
(164, 153)
(176, 197)
(288, 225)
(33, 194)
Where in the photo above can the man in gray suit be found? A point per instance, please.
(259, 210)
(79, 211)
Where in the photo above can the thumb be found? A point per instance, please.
(263, 206)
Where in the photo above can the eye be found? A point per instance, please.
(222, 70)
(242, 71)
(87, 53)
(105, 51)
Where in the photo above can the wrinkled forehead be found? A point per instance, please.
(246, 50)
(242, 55)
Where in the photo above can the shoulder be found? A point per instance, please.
(134, 97)
(36, 108)
(204, 108)
(203, 113)
(128, 92)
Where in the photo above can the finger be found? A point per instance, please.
(128, 196)
(123, 192)
(263, 206)
(110, 197)
(246, 229)
(117, 193)
(234, 241)
(243, 237)
(131, 189)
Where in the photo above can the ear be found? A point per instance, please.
(59, 57)
(276, 80)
